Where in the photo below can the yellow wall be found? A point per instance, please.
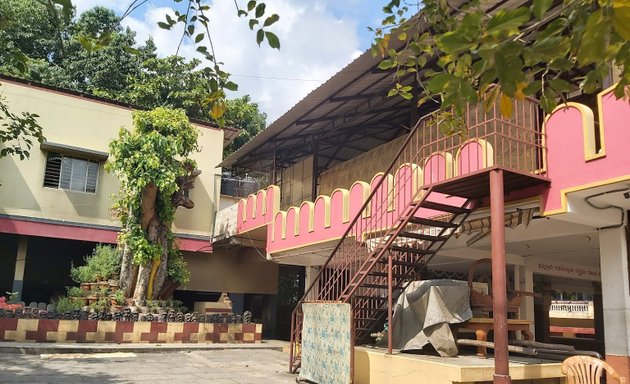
(362, 167)
(233, 270)
(88, 124)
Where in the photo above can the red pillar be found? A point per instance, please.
(499, 284)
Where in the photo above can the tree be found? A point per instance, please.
(155, 174)
(468, 55)
(241, 113)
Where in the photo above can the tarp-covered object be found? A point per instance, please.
(326, 347)
(424, 311)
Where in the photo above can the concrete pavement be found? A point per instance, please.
(216, 366)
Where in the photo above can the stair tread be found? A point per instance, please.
(384, 274)
(432, 223)
(411, 250)
(384, 260)
(444, 207)
(422, 236)
(370, 297)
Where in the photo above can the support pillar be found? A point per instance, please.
(613, 252)
(310, 275)
(20, 266)
(499, 281)
(524, 281)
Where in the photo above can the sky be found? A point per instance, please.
(318, 38)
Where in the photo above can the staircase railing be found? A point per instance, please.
(515, 141)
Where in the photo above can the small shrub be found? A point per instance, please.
(76, 292)
(66, 304)
(102, 264)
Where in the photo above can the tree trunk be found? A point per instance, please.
(142, 282)
(136, 279)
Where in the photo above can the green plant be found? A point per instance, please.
(102, 264)
(119, 297)
(76, 292)
(66, 304)
(13, 296)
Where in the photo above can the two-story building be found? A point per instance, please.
(55, 206)
(359, 179)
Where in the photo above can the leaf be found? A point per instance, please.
(260, 36)
(271, 19)
(273, 40)
(163, 25)
(252, 22)
(199, 38)
(560, 85)
(621, 18)
(438, 83)
(508, 22)
(505, 105)
(131, 50)
(386, 64)
(217, 111)
(85, 42)
(232, 86)
(260, 9)
(540, 7)
(241, 13)
(593, 44)
(251, 5)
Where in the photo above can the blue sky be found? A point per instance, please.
(318, 39)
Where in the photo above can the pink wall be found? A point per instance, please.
(73, 232)
(570, 165)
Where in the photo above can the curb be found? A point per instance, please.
(50, 348)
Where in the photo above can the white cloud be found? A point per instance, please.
(314, 45)
(116, 5)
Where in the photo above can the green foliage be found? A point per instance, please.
(241, 113)
(66, 304)
(18, 132)
(470, 55)
(102, 264)
(76, 292)
(119, 297)
(155, 153)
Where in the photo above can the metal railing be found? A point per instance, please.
(515, 143)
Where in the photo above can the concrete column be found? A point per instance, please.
(613, 250)
(524, 281)
(311, 273)
(20, 266)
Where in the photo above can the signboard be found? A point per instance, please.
(567, 270)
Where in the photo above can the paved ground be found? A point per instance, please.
(216, 367)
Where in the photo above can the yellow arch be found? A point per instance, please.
(366, 193)
(310, 210)
(389, 187)
(486, 150)
(448, 160)
(326, 202)
(345, 203)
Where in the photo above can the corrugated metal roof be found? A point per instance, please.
(345, 116)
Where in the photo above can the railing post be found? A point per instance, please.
(390, 300)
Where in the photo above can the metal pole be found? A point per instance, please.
(390, 300)
(499, 285)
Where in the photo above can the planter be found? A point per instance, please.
(92, 300)
(93, 286)
(103, 284)
(114, 284)
(85, 286)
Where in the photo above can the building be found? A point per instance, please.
(55, 206)
(345, 152)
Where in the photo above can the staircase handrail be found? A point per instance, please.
(359, 213)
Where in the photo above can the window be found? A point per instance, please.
(75, 174)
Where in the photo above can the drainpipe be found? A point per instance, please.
(621, 210)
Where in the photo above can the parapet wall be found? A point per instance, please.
(101, 331)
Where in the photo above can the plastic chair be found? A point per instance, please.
(588, 370)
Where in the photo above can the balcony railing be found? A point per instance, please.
(487, 139)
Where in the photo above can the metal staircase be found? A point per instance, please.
(397, 231)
